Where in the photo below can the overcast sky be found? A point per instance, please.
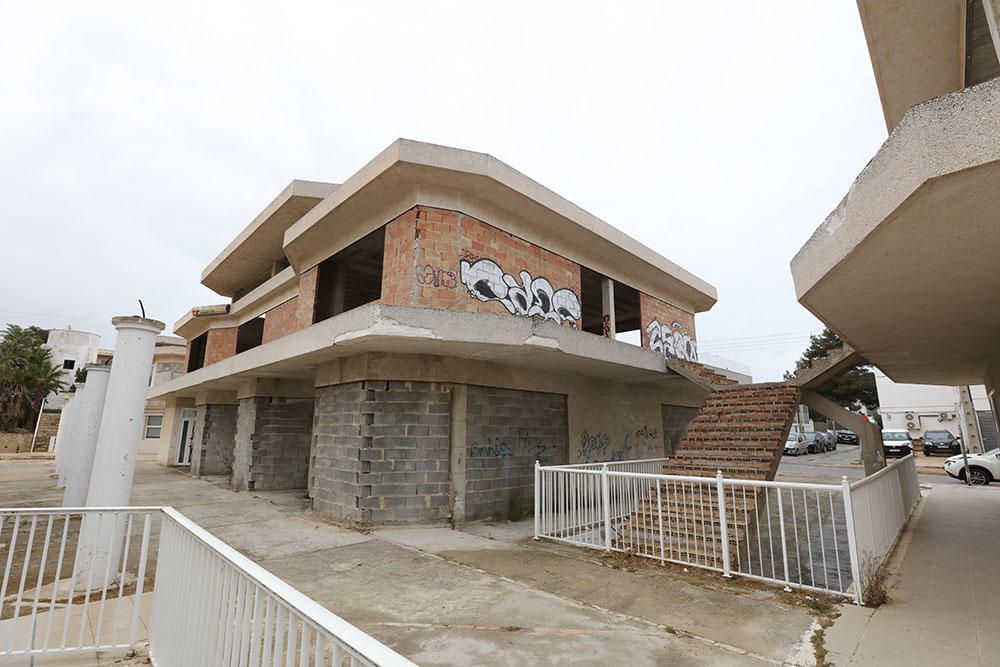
(137, 139)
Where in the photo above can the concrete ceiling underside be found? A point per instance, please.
(919, 296)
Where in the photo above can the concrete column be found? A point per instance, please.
(90, 407)
(992, 10)
(63, 437)
(117, 447)
(970, 424)
(458, 438)
(608, 305)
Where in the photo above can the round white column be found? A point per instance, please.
(90, 407)
(101, 534)
(121, 422)
(64, 435)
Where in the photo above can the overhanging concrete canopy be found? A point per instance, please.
(511, 341)
(907, 268)
(917, 49)
(250, 254)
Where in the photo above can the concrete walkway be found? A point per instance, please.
(485, 595)
(944, 600)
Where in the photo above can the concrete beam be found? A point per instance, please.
(276, 388)
(868, 433)
(827, 369)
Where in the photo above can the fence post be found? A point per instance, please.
(606, 501)
(852, 540)
(720, 491)
(784, 544)
(538, 498)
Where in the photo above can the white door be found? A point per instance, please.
(186, 442)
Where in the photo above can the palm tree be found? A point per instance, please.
(27, 376)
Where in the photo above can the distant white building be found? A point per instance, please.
(71, 350)
(169, 354)
(918, 408)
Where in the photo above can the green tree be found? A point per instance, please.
(853, 388)
(27, 375)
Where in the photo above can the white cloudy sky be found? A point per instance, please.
(136, 139)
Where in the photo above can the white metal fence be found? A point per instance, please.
(799, 535)
(210, 605)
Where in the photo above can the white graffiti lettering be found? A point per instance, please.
(533, 297)
(671, 341)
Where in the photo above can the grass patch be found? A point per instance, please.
(876, 591)
(511, 628)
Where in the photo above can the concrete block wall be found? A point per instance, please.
(507, 431)
(429, 245)
(214, 440)
(381, 452)
(273, 437)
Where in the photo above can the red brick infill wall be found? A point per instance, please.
(448, 260)
(294, 314)
(667, 329)
(221, 344)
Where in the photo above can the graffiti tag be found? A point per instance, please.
(671, 341)
(533, 297)
(646, 433)
(435, 276)
(596, 447)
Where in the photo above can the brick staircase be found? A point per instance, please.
(741, 431)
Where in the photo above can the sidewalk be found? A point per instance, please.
(944, 599)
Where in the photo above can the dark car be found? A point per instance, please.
(814, 442)
(846, 437)
(941, 442)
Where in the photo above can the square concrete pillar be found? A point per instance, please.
(272, 441)
(214, 439)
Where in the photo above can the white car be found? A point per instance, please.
(795, 445)
(983, 468)
(896, 443)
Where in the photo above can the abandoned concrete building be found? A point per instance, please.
(405, 345)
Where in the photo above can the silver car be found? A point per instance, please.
(795, 445)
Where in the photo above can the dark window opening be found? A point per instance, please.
(626, 304)
(69, 364)
(250, 334)
(351, 278)
(196, 355)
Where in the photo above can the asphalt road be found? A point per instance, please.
(842, 462)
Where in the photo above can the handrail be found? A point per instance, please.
(864, 481)
(687, 478)
(311, 610)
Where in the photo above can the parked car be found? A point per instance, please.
(795, 445)
(846, 437)
(941, 442)
(983, 468)
(896, 443)
(815, 443)
(831, 439)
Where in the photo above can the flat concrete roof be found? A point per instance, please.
(410, 173)
(514, 341)
(905, 269)
(253, 251)
(917, 49)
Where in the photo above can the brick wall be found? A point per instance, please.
(667, 328)
(294, 314)
(220, 344)
(273, 437)
(508, 431)
(381, 452)
(431, 244)
(214, 440)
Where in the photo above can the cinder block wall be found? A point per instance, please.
(215, 440)
(508, 430)
(381, 452)
(273, 438)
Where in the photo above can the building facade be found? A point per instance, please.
(904, 269)
(405, 345)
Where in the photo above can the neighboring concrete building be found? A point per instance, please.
(918, 408)
(169, 355)
(905, 268)
(407, 344)
(71, 350)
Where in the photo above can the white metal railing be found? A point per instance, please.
(888, 498)
(210, 604)
(56, 596)
(636, 465)
(795, 534)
